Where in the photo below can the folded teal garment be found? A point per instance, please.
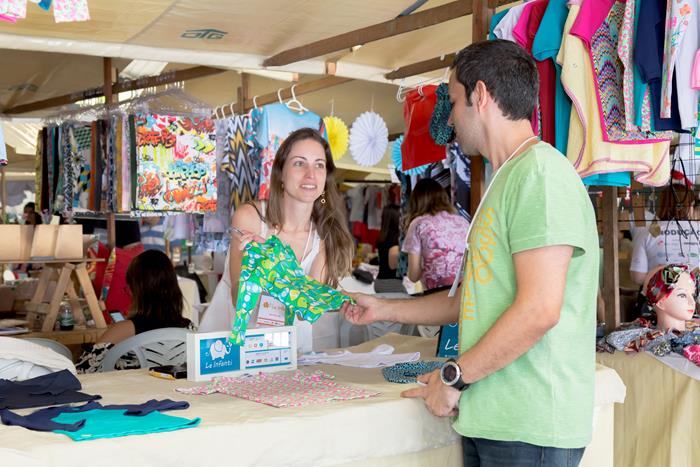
(272, 267)
(102, 423)
(608, 179)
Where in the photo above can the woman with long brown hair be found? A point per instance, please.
(435, 236)
(305, 211)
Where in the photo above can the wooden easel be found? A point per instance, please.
(64, 270)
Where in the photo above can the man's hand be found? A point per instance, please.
(366, 310)
(440, 399)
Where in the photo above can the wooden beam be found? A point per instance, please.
(173, 76)
(286, 93)
(3, 195)
(107, 76)
(394, 27)
(109, 98)
(422, 67)
(638, 205)
(140, 83)
(611, 274)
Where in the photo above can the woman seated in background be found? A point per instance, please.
(675, 239)
(435, 238)
(156, 303)
(388, 243)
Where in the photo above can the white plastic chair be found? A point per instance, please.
(166, 346)
(53, 345)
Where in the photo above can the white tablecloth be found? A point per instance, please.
(383, 430)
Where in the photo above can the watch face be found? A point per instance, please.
(449, 373)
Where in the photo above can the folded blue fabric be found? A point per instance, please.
(94, 421)
(408, 372)
(60, 387)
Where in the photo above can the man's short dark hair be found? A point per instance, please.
(30, 205)
(508, 72)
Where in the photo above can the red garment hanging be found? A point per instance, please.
(418, 147)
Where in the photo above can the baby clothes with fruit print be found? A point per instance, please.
(295, 390)
(272, 267)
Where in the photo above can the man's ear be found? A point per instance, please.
(480, 95)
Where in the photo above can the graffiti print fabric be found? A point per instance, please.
(176, 164)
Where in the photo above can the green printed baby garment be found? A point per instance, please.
(272, 267)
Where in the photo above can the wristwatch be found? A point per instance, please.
(451, 375)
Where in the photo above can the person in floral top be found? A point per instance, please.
(435, 239)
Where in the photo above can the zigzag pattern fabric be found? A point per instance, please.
(609, 73)
(240, 161)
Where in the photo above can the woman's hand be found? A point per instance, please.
(245, 237)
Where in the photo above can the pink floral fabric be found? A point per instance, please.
(678, 15)
(440, 241)
(70, 11)
(279, 390)
(13, 9)
(692, 353)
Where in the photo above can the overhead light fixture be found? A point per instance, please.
(355, 48)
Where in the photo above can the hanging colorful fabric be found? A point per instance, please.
(418, 147)
(369, 138)
(397, 159)
(441, 132)
(176, 164)
(239, 159)
(272, 267)
(338, 136)
(70, 11)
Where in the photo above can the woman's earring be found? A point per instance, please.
(323, 197)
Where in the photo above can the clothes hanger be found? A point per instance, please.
(279, 95)
(295, 104)
(255, 106)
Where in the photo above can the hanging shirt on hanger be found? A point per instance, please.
(681, 43)
(547, 74)
(598, 27)
(176, 164)
(587, 149)
(460, 169)
(495, 21)
(240, 161)
(418, 147)
(276, 122)
(545, 47)
(504, 29)
(649, 56)
(636, 93)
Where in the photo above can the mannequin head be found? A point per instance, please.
(671, 292)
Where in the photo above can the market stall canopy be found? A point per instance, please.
(242, 34)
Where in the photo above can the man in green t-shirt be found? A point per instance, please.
(522, 388)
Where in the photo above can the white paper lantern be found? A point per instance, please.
(369, 138)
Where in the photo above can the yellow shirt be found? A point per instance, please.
(586, 149)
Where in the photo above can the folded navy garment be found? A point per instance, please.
(43, 419)
(60, 387)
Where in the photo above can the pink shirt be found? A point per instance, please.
(440, 241)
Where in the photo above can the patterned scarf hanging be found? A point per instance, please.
(240, 159)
